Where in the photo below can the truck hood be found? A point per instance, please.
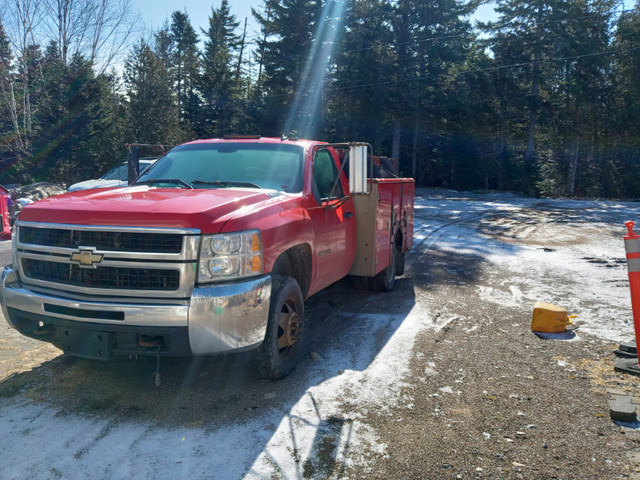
(96, 183)
(203, 209)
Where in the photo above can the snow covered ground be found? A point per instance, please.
(568, 252)
(558, 251)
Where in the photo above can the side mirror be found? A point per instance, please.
(358, 184)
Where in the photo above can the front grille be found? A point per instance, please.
(103, 240)
(102, 276)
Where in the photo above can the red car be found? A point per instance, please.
(5, 205)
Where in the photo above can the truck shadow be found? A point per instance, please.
(441, 267)
(347, 330)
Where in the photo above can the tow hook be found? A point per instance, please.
(156, 374)
(148, 341)
(43, 330)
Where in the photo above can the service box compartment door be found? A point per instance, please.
(373, 231)
(405, 215)
(386, 210)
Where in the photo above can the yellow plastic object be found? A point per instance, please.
(549, 318)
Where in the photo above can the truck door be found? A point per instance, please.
(333, 221)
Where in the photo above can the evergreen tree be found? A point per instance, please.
(11, 143)
(288, 29)
(364, 68)
(163, 48)
(153, 112)
(80, 123)
(622, 157)
(76, 122)
(473, 120)
(528, 38)
(432, 44)
(582, 91)
(546, 104)
(186, 67)
(556, 57)
(219, 83)
(29, 74)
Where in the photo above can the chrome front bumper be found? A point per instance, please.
(216, 318)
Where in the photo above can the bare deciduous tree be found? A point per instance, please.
(112, 31)
(23, 21)
(99, 30)
(7, 92)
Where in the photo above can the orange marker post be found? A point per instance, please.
(632, 247)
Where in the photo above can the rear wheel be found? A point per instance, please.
(386, 279)
(399, 264)
(282, 347)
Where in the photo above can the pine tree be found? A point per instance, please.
(557, 58)
(186, 67)
(623, 153)
(583, 88)
(432, 43)
(289, 29)
(153, 113)
(80, 122)
(528, 38)
(163, 48)
(219, 83)
(364, 69)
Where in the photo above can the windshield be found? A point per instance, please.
(116, 173)
(223, 165)
(122, 172)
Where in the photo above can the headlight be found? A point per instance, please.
(230, 256)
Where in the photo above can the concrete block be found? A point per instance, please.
(622, 409)
(627, 365)
(627, 350)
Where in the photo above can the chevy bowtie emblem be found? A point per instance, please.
(86, 257)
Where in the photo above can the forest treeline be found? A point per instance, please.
(544, 100)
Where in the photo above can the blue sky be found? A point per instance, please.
(154, 15)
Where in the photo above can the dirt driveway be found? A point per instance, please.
(440, 379)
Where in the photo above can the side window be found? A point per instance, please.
(325, 175)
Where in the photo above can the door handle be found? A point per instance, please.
(348, 214)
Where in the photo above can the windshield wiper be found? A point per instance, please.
(176, 181)
(219, 183)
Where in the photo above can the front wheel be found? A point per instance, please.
(282, 347)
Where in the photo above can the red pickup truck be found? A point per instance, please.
(211, 250)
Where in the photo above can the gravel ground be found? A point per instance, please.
(491, 400)
(482, 396)
(488, 398)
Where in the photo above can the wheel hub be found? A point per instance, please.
(290, 326)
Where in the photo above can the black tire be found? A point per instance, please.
(399, 264)
(360, 283)
(282, 348)
(386, 279)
